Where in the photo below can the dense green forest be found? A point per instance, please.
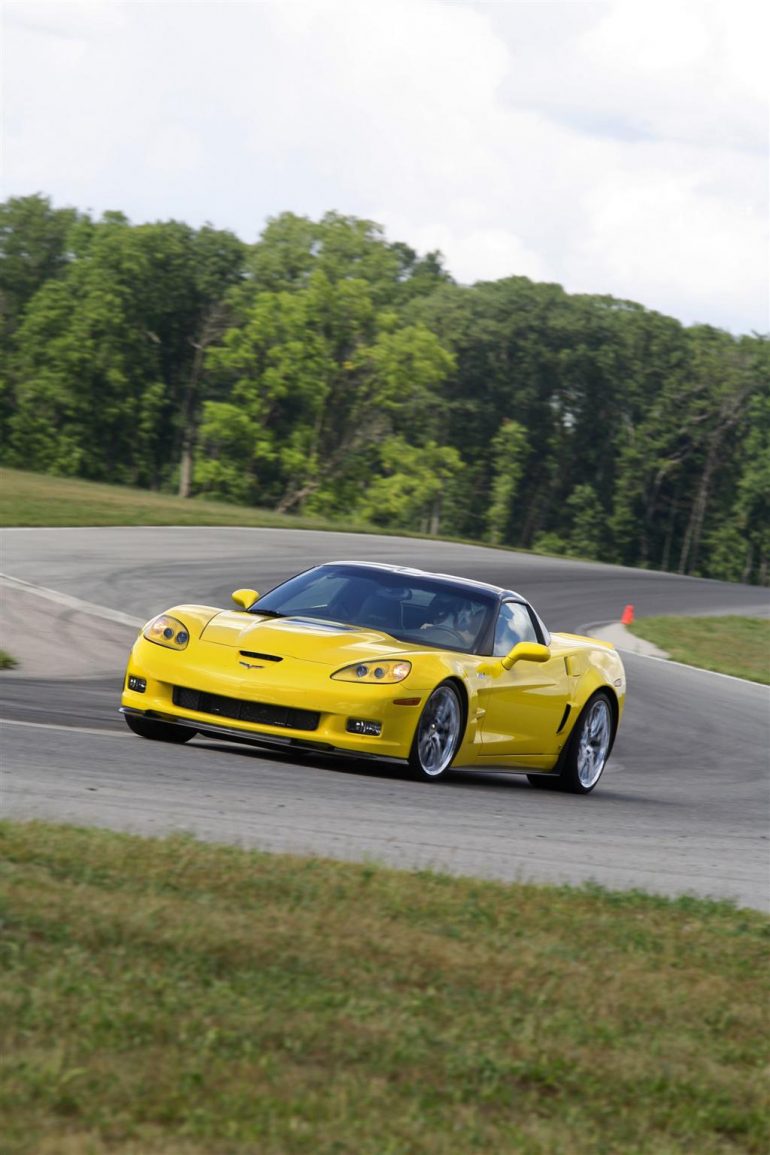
(326, 369)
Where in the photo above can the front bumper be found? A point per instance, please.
(296, 686)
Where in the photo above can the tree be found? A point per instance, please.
(749, 518)
(323, 376)
(82, 363)
(320, 359)
(341, 247)
(509, 447)
(724, 392)
(216, 265)
(33, 249)
(588, 528)
(106, 358)
(408, 486)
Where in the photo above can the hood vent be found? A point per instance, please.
(264, 657)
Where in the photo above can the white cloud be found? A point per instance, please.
(663, 232)
(651, 38)
(69, 19)
(481, 254)
(614, 146)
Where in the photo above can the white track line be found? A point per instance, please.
(697, 669)
(69, 601)
(103, 733)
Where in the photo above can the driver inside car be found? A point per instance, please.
(458, 616)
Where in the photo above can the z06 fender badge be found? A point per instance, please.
(251, 665)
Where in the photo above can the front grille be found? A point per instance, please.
(245, 711)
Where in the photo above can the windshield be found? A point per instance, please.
(424, 610)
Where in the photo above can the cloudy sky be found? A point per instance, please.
(616, 146)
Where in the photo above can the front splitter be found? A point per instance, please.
(230, 734)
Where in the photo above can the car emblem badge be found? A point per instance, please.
(251, 666)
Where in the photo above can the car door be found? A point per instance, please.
(522, 707)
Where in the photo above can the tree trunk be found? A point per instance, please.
(211, 328)
(435, 518)
(295, 497)
(731, 411)
(666, 559)
(185, 464)
(692, 538)
(749, 563)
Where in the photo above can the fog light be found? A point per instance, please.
(138, 684)
(362, 726)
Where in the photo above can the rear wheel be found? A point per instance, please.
(158, 731)
(438, 734)
(589, 746)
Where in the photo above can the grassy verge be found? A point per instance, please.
(36, 499)
(7, 662)
(729, 645)
(170, 996)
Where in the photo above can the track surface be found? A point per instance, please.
(682, 807)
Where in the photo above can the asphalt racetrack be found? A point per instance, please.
(682, 807)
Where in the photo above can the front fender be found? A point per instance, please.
(591, 668)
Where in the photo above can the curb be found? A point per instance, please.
(622, 639)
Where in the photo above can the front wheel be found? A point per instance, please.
(158, 731)
(438, 734)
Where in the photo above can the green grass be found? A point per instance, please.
(37, 499)
(729, 645)
(176, 997)
(7, 662)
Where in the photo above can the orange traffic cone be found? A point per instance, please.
(627, 616)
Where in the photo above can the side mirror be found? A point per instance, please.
(525, 652)
(245, 598)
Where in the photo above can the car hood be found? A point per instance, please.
(309, 639)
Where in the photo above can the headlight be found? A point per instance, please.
(167, 631)
(386, 672)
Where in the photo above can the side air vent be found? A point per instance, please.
(564, 717)
(264, 657)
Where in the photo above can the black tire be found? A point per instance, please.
(438, 734)
(589, 745)
(588, 749)
(158, 731)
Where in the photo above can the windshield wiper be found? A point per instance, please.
(266, 613)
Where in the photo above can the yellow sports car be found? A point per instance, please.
(357, 658)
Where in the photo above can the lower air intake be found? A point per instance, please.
(245, 711)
